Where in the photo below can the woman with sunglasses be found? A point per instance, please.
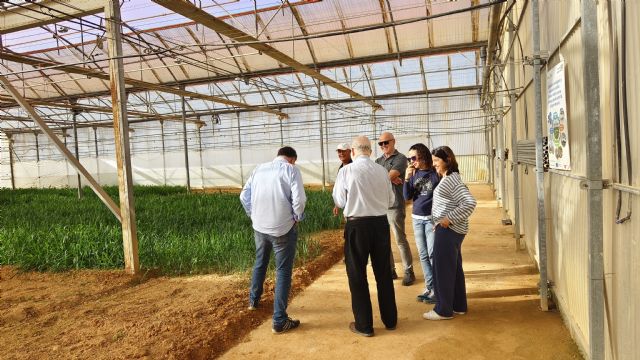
(420, 181)
(452, 206)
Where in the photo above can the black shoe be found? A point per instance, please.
(390, 327)
(288, 324)
(352, 327)
(409, 277)
(394, 274)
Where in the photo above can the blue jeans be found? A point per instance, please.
(424, 235)
(284, 248)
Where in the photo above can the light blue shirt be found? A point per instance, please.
(274, 197)
(362, 188)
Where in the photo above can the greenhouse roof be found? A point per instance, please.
(233, 55)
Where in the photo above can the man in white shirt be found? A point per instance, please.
(274, 198)
(364, 191)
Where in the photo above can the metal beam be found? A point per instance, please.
(491, 47)
(39, 62)
(514, 137)
(190, 11)
(101, 109)
(121, 135)
(32, 15)
(447, 49)
(591, 87)
(542, 221)
(6, 84)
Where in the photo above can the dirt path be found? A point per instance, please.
(503, 321)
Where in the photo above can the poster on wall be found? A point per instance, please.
(557, 119)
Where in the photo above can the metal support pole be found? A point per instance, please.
(542, 225)
(322, 144)
(200, 153)
(281, 133)
(164, 156)
(326, 137)
(13, 181)
(121, 135)
(591, 82)
(95, 143)
(240, 149)
(184, 142)
(75, 142)
(37, 147)
(38, 158)
(514, 137)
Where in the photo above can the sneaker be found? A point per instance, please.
(427, 294)
(432, 315)
(459, 312)
(394, 274)
(409, 278)
(253, 306)
(352, 327)
(288, 324)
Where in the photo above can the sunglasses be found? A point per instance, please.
(412, 159)
(386, 142)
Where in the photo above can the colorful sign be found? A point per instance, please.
(559, 154)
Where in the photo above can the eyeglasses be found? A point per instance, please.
(386, 142)
(412, 159)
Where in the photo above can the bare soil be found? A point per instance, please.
(111, 315)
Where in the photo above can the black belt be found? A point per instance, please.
(353, 218)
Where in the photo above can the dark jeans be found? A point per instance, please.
(363, 238)
(448, 274)
(284, 248)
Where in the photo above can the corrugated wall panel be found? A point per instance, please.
(568, 250)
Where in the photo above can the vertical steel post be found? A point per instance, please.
(591, 83)
(542, 225)
(240, 149)
(184, 141)
(38, 158)
(514, 136)
(121, 134)
(75, 142)
(322, 144)
(199, 126)
(164, 156)
(13, 179)
(95, 144)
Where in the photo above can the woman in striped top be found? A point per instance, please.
(452, 206)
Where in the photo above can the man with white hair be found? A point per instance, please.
(364, 191)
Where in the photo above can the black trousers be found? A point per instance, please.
(366, 237)
(448, 275)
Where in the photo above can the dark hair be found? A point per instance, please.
(445, 153)
(288, 151)
(423, 153)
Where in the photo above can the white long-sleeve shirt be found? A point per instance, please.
(274, 197)
(362, 188)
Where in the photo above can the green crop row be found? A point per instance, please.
(178, 233)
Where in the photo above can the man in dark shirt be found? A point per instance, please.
(344, 154)
(396, 164)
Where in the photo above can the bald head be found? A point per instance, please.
(361, 145)
(387, 143)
